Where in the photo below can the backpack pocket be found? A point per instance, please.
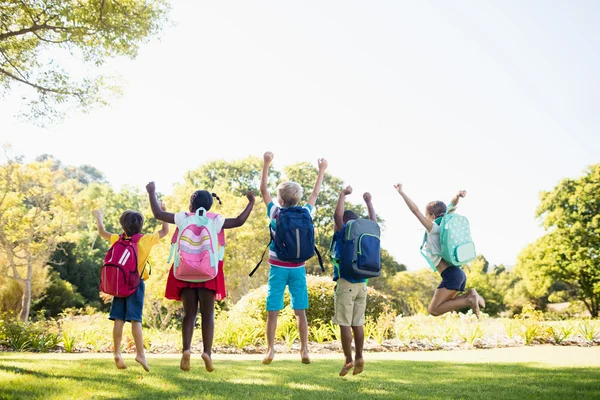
(465, 253)
(369, 257)
(297, 245)
(197, 260)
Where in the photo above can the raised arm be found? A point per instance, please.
(315, 193)
(367, 198)
(338, 214)
(164, 230)
(241, 219)
(454, 202)
(413, 207)
(101, 231)
(158, 213)
(264, 190)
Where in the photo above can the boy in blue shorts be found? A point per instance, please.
(130, 309)
(283, 273)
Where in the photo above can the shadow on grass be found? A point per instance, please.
(34, 378)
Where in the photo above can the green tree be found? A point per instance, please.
(570, 250)
(57, 296)
(35, 35)
(413, 290)
(39, 209)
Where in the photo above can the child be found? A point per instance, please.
(453, 278)
(350, 294)
(283, 273)
(129, 309)
(192, 294)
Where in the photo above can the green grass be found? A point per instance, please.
(52, 376)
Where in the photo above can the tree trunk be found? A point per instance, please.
(26, 304)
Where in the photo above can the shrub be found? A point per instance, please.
(320, 299)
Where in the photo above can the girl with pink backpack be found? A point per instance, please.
(196, 277)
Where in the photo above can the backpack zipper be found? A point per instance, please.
(298, 241)
(360, 240)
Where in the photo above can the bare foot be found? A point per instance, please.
(305, 358)
(475, 304)
(208, 362)
(347, 367)
(480, 299)
(142, 361)
(184, 364)
(119, 362)
(359, 365)
(269, 357)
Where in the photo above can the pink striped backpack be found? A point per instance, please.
(119, 275)
(198, 246)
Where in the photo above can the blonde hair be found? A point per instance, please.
(289, 193)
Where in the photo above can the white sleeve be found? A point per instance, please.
(179, 217)
(219, 222)
(435, 229)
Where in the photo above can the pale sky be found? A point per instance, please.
(499, 98)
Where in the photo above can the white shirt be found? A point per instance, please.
(433, 247)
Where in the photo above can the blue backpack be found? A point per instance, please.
(360, 251)
(294, 238)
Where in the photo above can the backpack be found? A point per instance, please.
(198, 246)
(457, 247)
(294, 238)
(360, 256)
(119, 275)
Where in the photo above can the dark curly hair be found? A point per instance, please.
(202, 198)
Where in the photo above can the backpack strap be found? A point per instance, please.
(427, 251)
(263, 254)
(320, 259)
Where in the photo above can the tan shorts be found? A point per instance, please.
(350, 302)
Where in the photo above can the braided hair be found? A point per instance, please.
(202, 198)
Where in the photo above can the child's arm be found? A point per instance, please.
(164, 231)
(264, 190)
(413, 207)
(101, 231)
(367, 198)
(456, 198)
(338, 215)
(315, 193)
(158, 213)
(241, 219)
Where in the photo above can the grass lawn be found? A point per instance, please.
(519, 373)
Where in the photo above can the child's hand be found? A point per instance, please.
(106, 298)
(322, 163)
(462, 194)
(268, 157)
(163, 206)
(250, 196)
(347, 190)
(398, 187)
(367, 197)
(151, 187)
(97, 214)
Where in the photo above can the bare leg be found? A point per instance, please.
(271, 328)
(140, 357)
(207, 311)
(445, 300)
(117, 337)
(346, 336)
(303, 329)
(189, 298)
(359, 340)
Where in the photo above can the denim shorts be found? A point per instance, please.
(453, 278)
(295, 280)
(129, 308)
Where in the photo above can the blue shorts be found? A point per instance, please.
(129, 308)
(453, 278)
(295, 279)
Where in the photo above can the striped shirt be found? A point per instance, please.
(273, 213)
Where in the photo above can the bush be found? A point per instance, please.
(320, 300)
(28, 336)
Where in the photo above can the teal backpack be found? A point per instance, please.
(455, 240)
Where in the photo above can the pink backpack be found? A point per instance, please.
(199, 247)
(119, 275)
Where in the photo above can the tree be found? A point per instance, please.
(35, 35)
(570, 251)
(39, 209)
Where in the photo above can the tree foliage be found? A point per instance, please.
(44, 44)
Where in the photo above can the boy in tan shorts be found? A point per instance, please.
(350, 294)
